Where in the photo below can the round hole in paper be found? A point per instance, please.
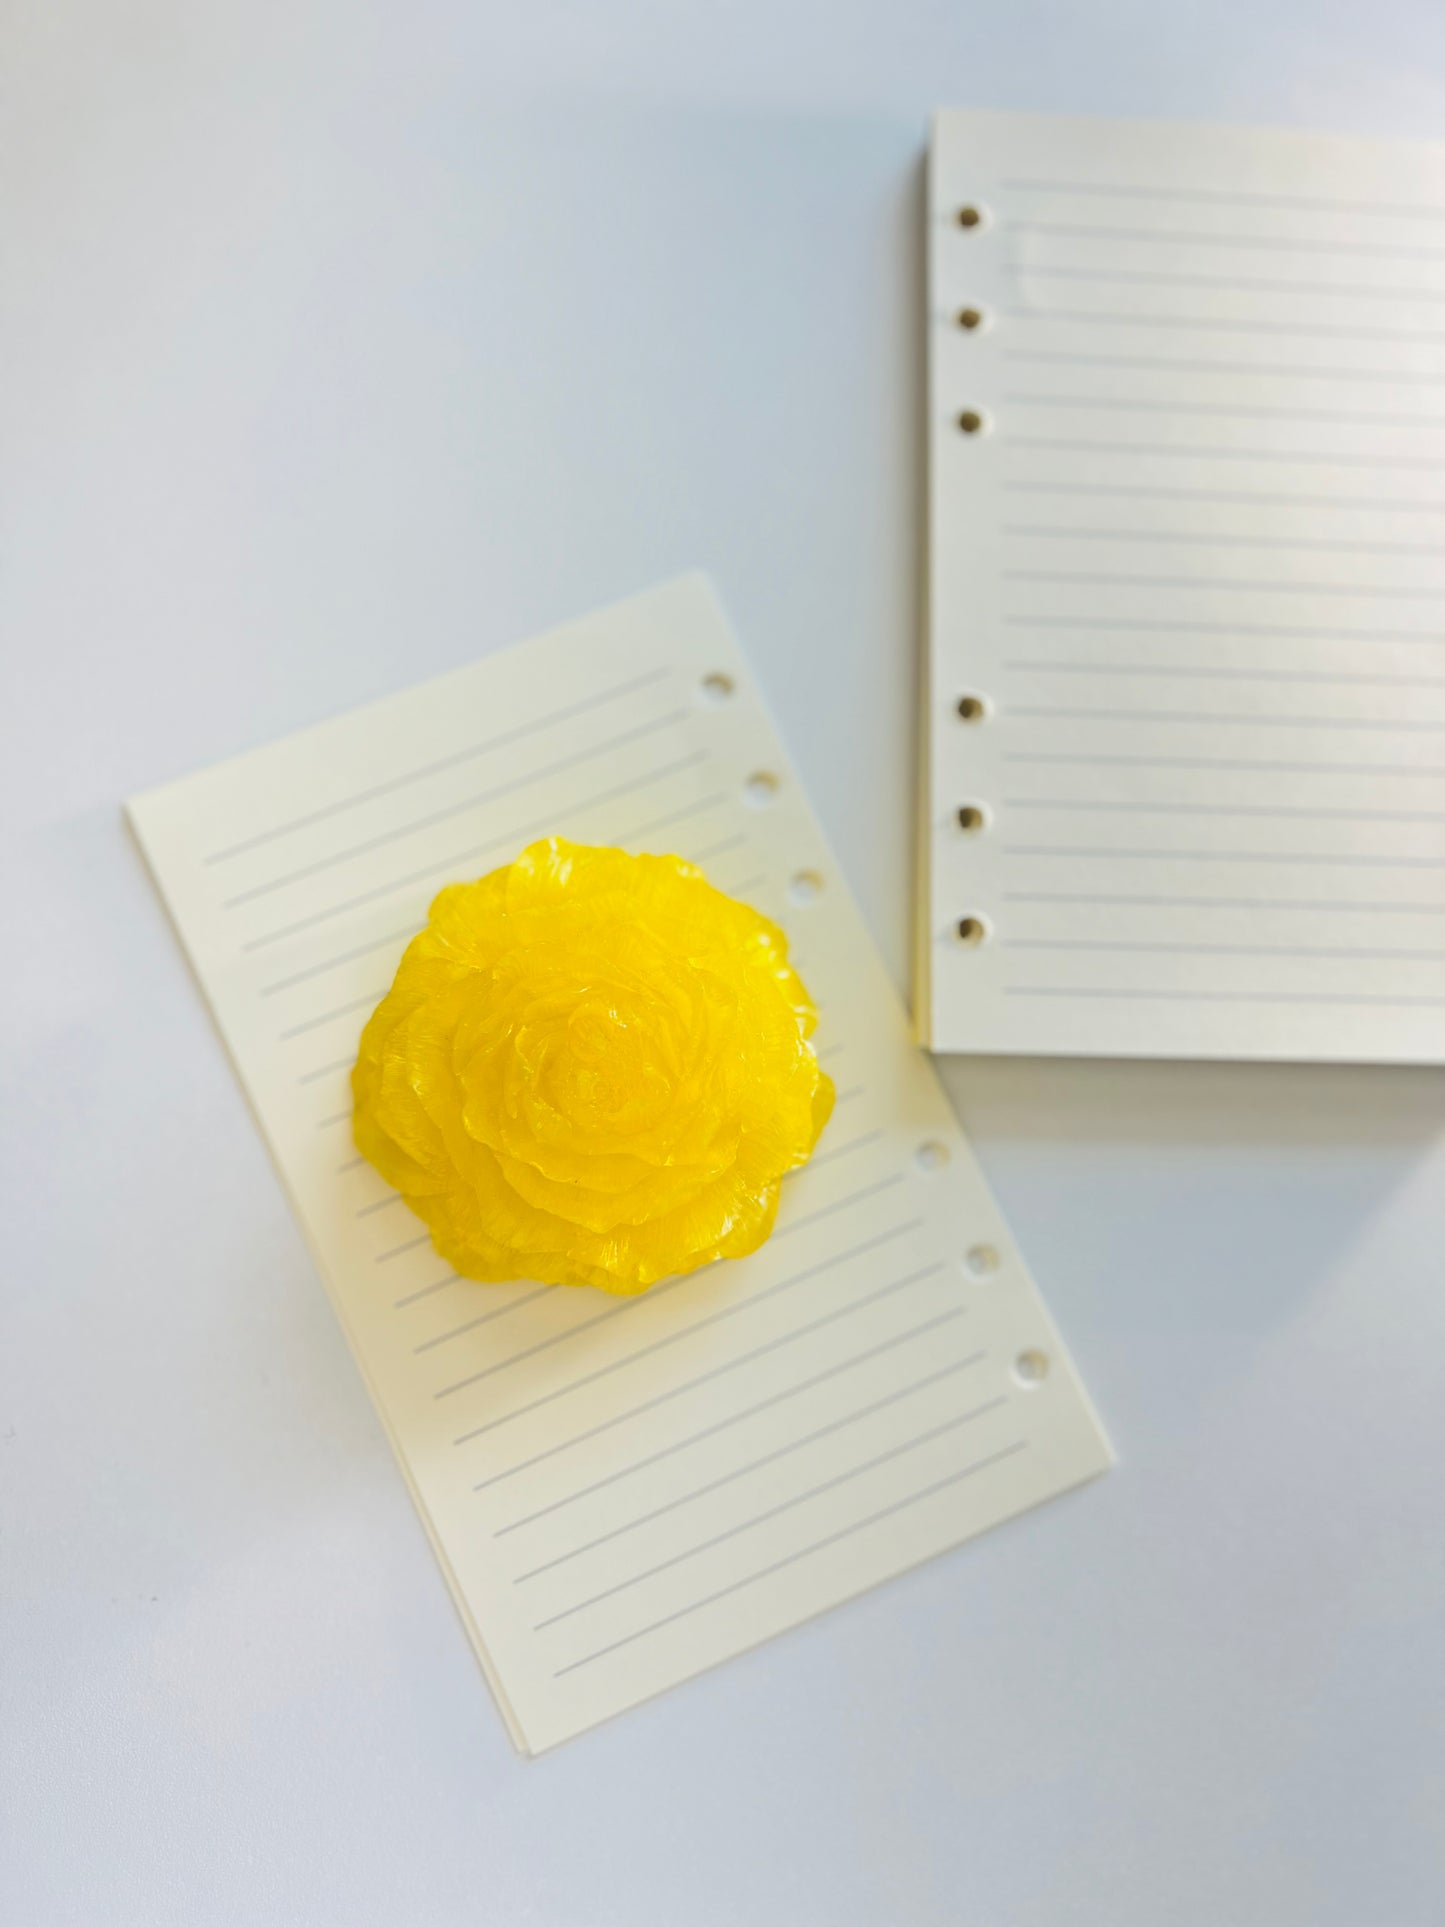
(716, 688)
(760, 788)
(805, 886)
(971, 709)
(970, 215)
(981, 1261)
(971, 421)
(1031, 1367)
(931, 1155)
(970, 318)
(971, 818)
(971, 931)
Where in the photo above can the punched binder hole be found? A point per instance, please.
(805, 886)
(970, 317)
(970, 818)
(981, 1260)
(971, 930)
(971, 708)
(760, 788)
(971, 422)
(1031, 1367)
(931, 1156)
(970, 216)
(717, 687)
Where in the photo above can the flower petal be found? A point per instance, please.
(592, 1068)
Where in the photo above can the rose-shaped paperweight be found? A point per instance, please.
(591, 1069)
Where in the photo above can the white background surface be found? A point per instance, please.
(345, 342)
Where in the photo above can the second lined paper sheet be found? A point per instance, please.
(1186, 681)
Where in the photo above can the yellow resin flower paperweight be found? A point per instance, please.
(591, 1069)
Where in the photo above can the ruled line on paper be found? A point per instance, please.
(796, 1390)
(1279, 720)
(1173, 625)
(1215, 672)
(802, 1552)
(775, 1457)
(627, 1307)
(327, 1070)
(484, 1318)
(844, 1150)
(1168, 900)
(747, 1358)
(1194, 237)
(589, 753)
(747, 886)
(1196, 452)
(689, 810)
(1245, 498)
(334, 963)
(389, 788)
(1192, 949)
(1195, 322)
(645, 1299)
(1224, 539)
(1238, 284)
(722, 1316)
(1138, 806)
(427, 1291)
(371, 998)
(398, 1251)
(839, 1479)
(1224, 996)
(458, 857)
(1251, 197)
(839, 1204)
(1321, 766)
(1248, 585)
(381, 1204)
(1274, 370)
(1250, 411)
(720, 849)
(1174, 854)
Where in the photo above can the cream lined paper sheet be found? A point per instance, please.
(623, 1492)
(1187, 576)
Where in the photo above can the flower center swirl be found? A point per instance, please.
(591, 1068)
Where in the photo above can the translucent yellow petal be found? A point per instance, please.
(591, 1068)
